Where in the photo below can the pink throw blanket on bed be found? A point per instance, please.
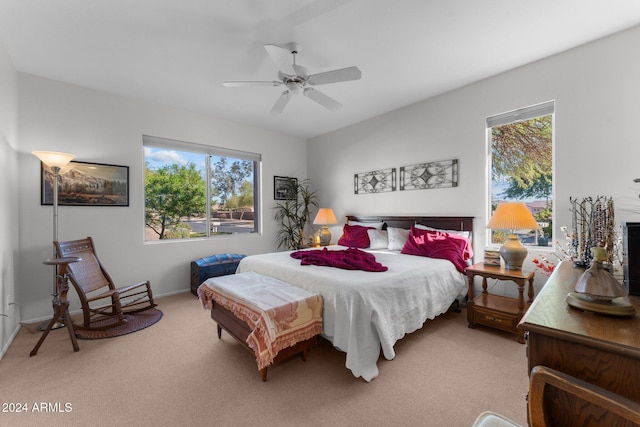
(348, 259)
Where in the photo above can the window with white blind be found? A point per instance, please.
(520, 165)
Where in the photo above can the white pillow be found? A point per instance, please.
(462, 233)
(378, 239)
(397, 238)
(377, 225)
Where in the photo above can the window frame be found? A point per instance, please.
(208, 152)
(518, 115)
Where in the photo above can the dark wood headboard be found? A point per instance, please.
(443, 222)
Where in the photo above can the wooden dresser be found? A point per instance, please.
(601, 350)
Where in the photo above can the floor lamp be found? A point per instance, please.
(55, 161)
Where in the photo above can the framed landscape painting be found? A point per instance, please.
(87, 184)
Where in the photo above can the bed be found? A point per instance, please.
(365, 312)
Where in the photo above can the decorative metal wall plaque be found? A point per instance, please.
(429, 175)
(379, 181)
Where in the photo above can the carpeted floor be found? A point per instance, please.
(176, 372)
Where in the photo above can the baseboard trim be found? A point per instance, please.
(10, 340)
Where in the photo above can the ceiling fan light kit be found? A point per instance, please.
(296, 79)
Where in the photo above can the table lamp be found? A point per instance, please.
(55, 161)
(325, 217)
(512, 216)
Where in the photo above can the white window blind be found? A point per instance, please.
(172, 144)
(538, 110)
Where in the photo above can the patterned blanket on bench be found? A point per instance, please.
(278, 314)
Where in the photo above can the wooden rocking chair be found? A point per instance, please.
(558, 399)
(95, 287)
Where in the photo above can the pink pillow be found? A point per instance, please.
(355, 236)
(468, 250)
(437, 244)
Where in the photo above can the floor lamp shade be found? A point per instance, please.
(513, 216)
(54, 158)
(324, 217)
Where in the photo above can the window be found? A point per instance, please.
(520, 155)
(194, 190)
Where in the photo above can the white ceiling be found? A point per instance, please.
(178, 52)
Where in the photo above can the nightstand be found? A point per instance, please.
(498, 311)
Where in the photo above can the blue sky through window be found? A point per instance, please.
(159, 157)
(156, 158)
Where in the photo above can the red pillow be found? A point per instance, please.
(468, 250)
(437, 244)
(355, 236)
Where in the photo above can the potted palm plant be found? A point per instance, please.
(294, 214)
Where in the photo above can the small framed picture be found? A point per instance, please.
(284, 187)
(87, 184)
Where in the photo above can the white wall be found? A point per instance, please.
(596, 91)
(9, 218)
(597, 148)
(103, 128)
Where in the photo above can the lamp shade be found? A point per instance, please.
(512, 216)
(53, 158)
(325, 216)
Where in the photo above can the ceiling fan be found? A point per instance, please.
(296, 79)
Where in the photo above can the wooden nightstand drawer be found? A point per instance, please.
(495, 319)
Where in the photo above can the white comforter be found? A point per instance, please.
(366, 310)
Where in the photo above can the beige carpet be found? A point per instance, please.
(177, 373)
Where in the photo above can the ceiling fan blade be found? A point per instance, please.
(251, 83)
(322, 99)
(282, 58)
(281, 102)
(335, 76)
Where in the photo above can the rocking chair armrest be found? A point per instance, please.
(130, 287)
(105, 294)
(114, 292)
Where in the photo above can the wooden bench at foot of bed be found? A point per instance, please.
(240, 331)
(270, 318)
